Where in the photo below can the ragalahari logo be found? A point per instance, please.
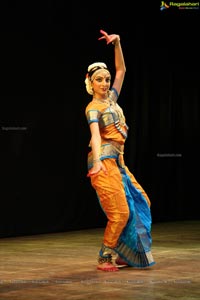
(164, 5)
(179, 5)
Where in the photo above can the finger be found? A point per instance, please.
(105, 170)
(101, 38)
(103, 32)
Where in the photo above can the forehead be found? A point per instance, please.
(102, 73)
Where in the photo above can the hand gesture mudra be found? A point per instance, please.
(110, 38)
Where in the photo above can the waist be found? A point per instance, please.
(109, 149)
(115, 145)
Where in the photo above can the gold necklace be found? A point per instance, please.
(107, 100)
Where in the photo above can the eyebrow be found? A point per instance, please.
(100, 76)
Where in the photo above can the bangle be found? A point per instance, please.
(116, 42)
(96, 160)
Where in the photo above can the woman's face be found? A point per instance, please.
(101, 83)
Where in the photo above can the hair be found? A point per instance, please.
(90, 74)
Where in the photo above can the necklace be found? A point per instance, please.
(107, 100)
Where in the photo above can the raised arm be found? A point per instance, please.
(120, 67)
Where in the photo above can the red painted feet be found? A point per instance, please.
(107, 267)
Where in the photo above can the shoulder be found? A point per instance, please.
(91, 106)
(113, 94)
(96, 106)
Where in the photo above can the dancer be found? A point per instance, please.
(124, 201)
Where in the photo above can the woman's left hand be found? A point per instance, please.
(110, 38)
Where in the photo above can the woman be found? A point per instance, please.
(125, 203)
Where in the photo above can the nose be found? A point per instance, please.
(105, 81)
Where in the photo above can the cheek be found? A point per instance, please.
(95, 85)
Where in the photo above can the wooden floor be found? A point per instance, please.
(62, 266)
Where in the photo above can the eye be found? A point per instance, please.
(99, 79)
(107, 80)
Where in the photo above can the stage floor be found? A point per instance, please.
(63, 266)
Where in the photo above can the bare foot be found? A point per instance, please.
(108, 267)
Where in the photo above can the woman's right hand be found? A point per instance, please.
(97, 167)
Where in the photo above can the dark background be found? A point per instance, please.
(46, 47)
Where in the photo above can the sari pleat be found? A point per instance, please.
(135, 241)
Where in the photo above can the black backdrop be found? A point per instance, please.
(45, 50)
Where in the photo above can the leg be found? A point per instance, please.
(111, 194)
(138, 186)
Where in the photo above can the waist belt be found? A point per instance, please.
(109, 149)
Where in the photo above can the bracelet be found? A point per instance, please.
(116, 42)
(96, 160)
